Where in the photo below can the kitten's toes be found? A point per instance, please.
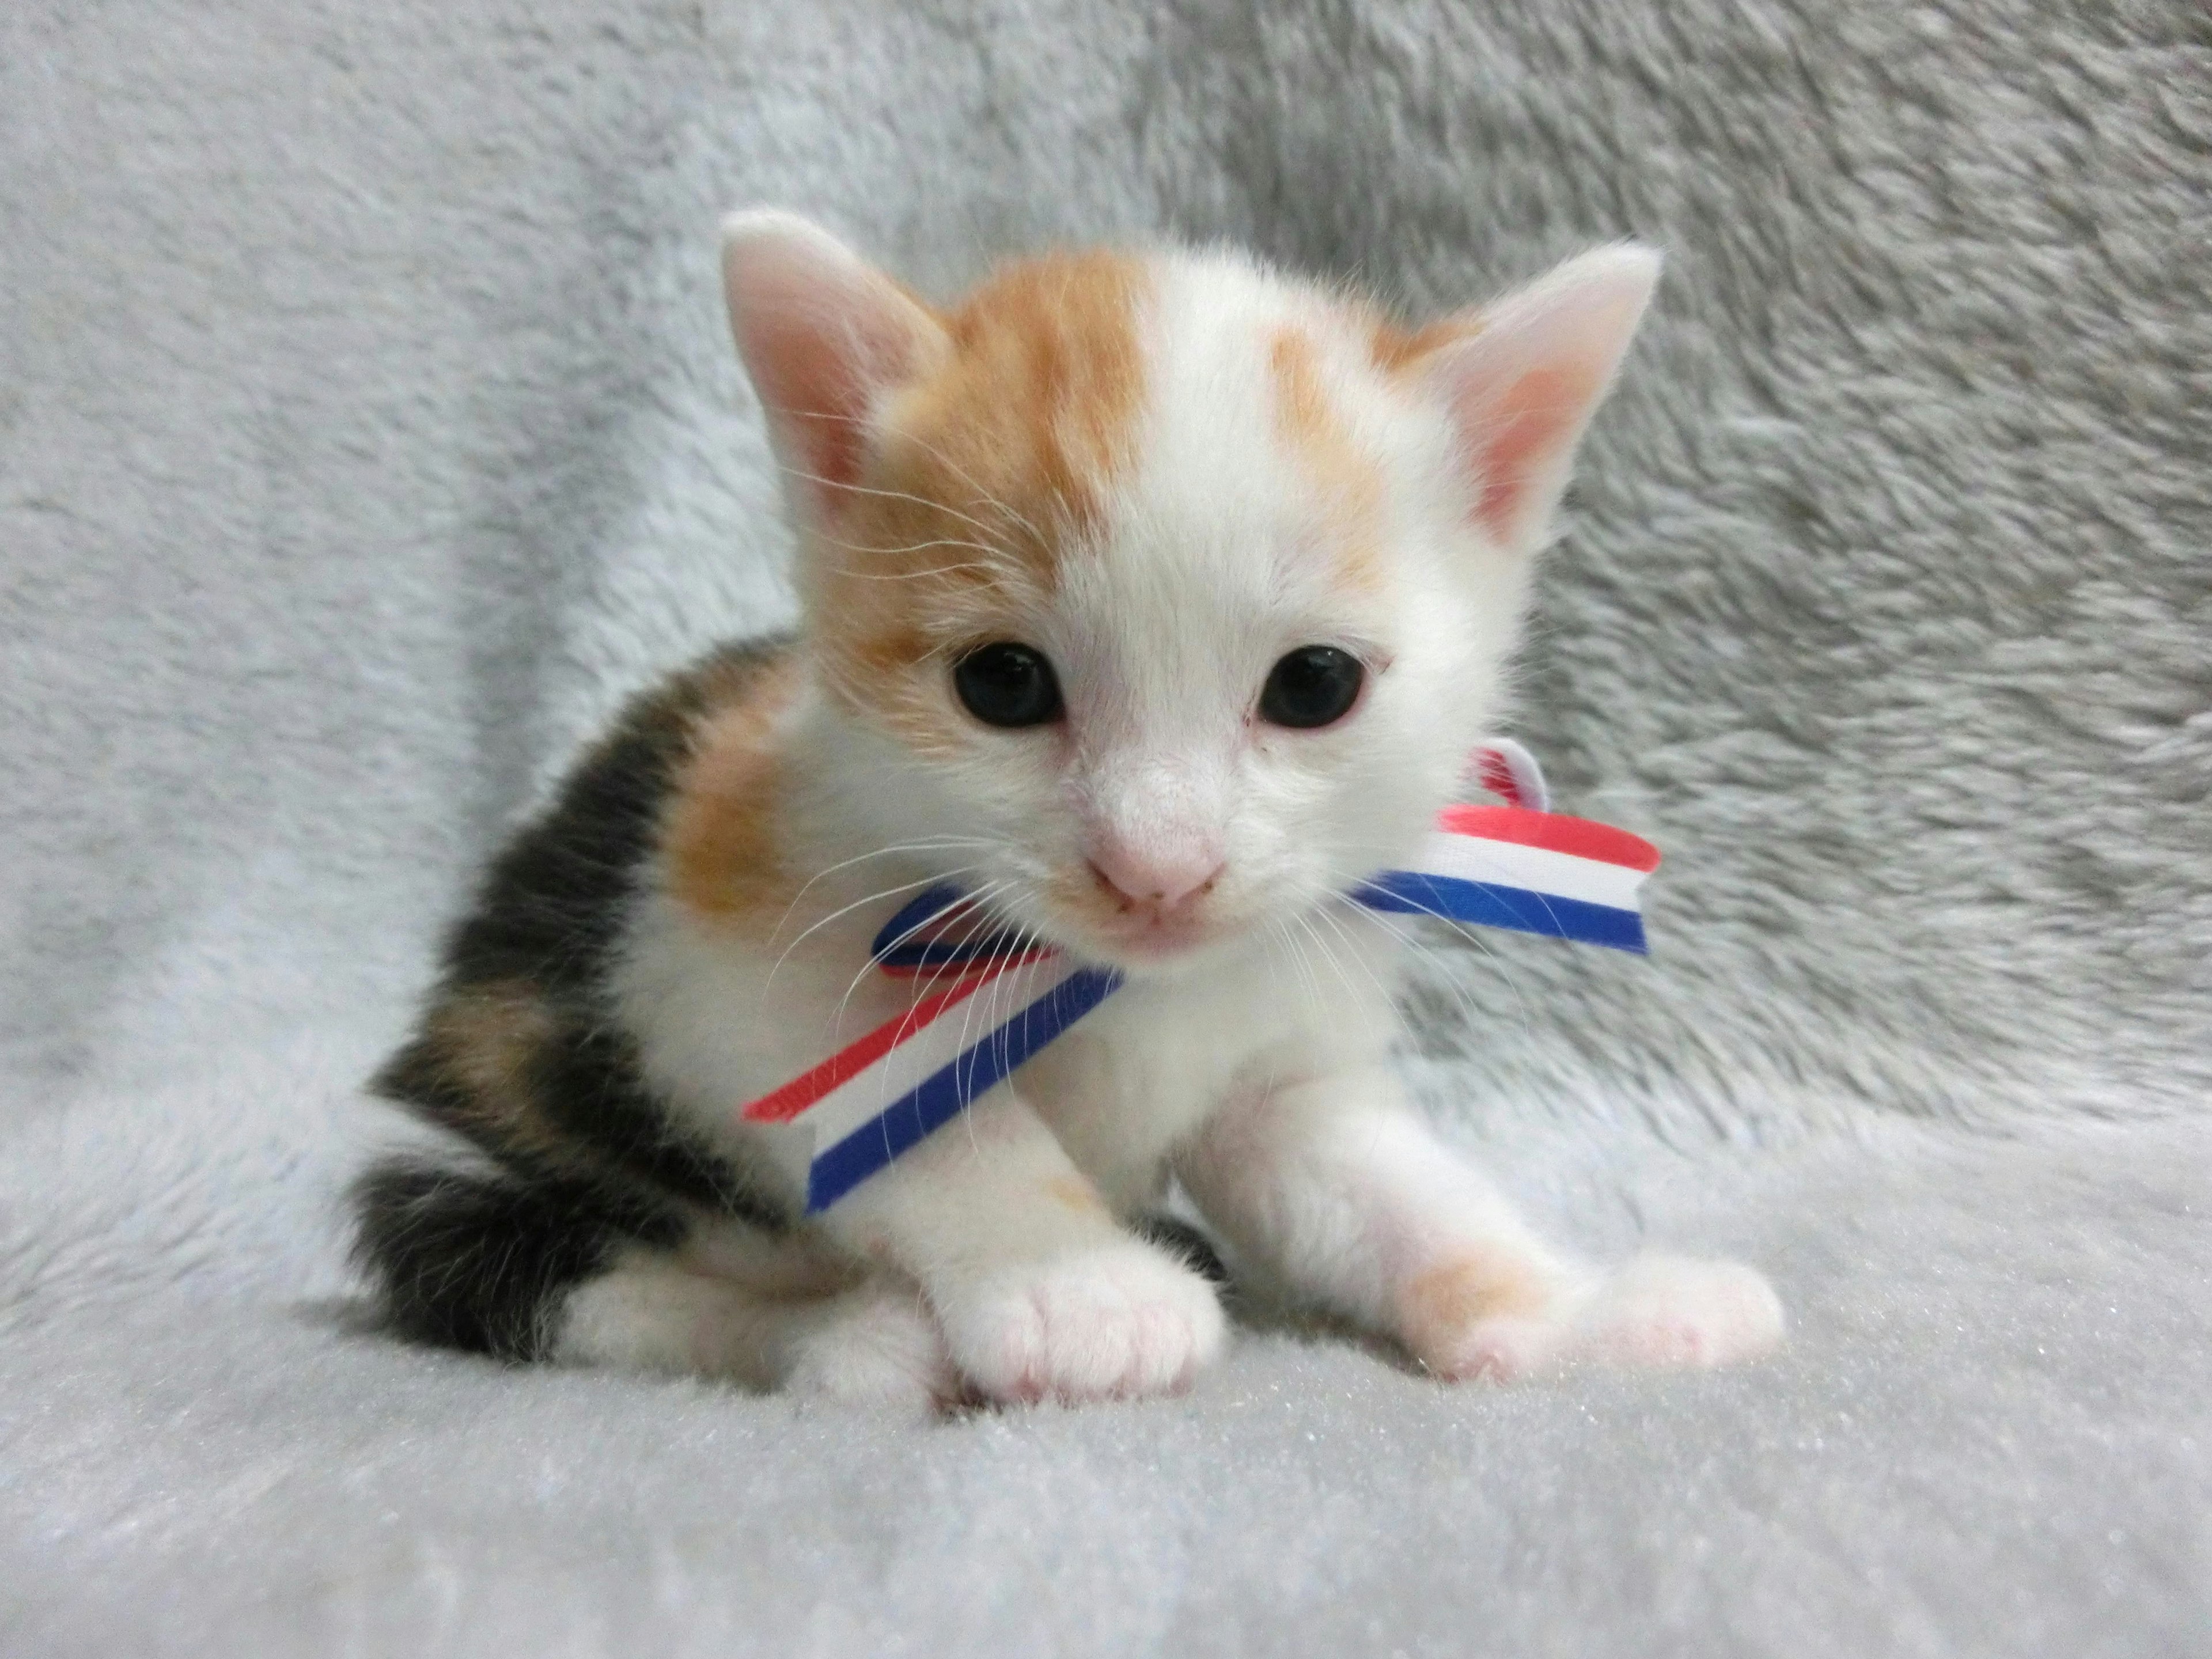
(1670, 1311)
(876, 1348)
(1120, 1321)
(1491, 1316)
(1506, 1349)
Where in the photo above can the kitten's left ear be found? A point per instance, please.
(1522, 377)
(825, 336)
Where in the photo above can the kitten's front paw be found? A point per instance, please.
(1668, 1311)
(1113, 1323)
(1499, 1319)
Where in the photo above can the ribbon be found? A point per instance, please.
(1517, 866)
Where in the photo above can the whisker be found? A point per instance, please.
(1328, 913)
(1336, 967)
(887, 495)
(967, 477)
(1448, 977)
(871, 550)
(1304, 969)
(1278, 931)
(992, 997)
(935, 844)
(1466, 933)
(935, 570)
(926, 982)
(970, 480)
(847, 909)
(1474, 852)
(989, 996)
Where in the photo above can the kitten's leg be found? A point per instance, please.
(874, 1344)
(1039, 1294)
(471, 1256)
(1337, 1186)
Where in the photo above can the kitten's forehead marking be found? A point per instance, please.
(1399, 351)
(1033, 416)
(1346, 480)
(994, 468)
(1267, 442)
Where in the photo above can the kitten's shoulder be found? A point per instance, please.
(515, 1050)
(555, 900)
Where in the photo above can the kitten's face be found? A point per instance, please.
(1167, 581)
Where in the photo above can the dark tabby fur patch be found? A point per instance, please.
(478, 1262)
(1185, 1243)
(516, 1053)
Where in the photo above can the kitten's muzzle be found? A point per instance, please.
(1149, 912)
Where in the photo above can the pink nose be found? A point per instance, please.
(1158, 881)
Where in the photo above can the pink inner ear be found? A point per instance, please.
(1522, 433)
(808, 381)
(822, 336)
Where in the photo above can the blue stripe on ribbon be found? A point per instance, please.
(896, 947)
(1411, 892)
(945, 1094)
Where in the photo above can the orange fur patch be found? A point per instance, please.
(719, 836)
(1311, 427)
(478, 1043)
(487, 1034)
(1036, 407)
(1397, 349)
(994, 470)
(1437, 1309)
(1076, 1193)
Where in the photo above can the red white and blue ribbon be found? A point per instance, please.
(1516, 867)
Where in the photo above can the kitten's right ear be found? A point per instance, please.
(824, 335)
(1521, 378)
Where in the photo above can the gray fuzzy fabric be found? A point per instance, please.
(367, 427)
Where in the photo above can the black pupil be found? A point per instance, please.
(1007, 684)
(1314, 685)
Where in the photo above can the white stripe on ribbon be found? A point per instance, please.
(1538, 870)
(956, 1030)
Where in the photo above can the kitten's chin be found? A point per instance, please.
(1155, 950)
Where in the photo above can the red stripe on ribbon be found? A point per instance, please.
(847, 1063)
(1554, 832)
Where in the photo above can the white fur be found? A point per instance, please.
(870, 1345)
(1255, 1064)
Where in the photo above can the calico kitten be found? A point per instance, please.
(1156, 599)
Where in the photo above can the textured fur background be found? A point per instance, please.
(367, 426)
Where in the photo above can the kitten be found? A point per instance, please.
(1155, 601)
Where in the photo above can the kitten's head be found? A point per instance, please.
(1168, 592)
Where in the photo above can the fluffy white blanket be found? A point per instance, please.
(366, 428)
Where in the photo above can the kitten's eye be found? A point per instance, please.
(1007, 684)
(1314, 685)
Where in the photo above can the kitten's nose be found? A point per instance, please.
(1159, 879)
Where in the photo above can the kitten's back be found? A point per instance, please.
(565, 1154)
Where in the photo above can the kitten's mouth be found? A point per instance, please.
(1140, 941)
(1160, 938)
(1092, 921)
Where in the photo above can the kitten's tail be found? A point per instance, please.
(477, 1262)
